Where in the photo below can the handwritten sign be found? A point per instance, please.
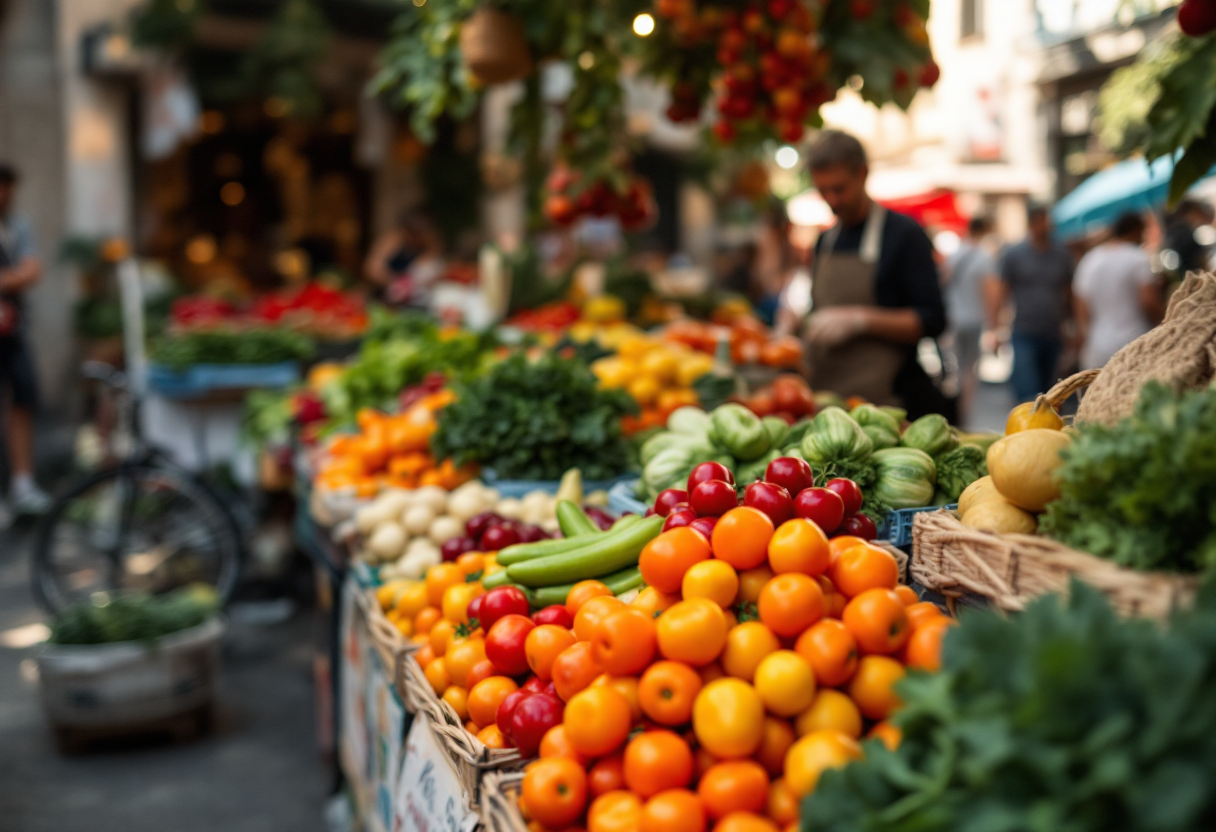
(429, 795)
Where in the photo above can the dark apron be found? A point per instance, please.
(10, 310)
(864, 366)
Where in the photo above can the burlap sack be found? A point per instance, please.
(1181, 352)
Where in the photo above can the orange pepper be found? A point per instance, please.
(410, 464)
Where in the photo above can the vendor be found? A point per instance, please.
(405, 259)
(874, 290)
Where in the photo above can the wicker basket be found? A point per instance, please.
(469, 755)
(388, 642)
(1013, 569)
(499, 803)
(494, 47)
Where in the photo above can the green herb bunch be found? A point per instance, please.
(252, 346)
(1066, 718)
(1143, 492)
(134, 617)
(533, 420)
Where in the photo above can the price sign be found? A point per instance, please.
(430, 797)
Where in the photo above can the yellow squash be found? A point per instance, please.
(1023, 466)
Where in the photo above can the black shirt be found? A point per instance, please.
(905, 278)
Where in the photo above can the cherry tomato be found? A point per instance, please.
(799, 546)
(582, 592)
(598, 720)
(705, 525)
(623, 643)
(665, 559)
(486, 697)
(713, 579)
(849, 492)
(656, 761)
(474, 611)
(791, 473)
(501, 602)
(477, 525)
(556, 614)
(555, 790)
(506, 709)
(531, 719)
(821, 506)
(574, 669)
(542, 647)
(861, 526)
(741, 538)
(499, 537)
(713, 498)
(484, 669)
(679, 518)
(692, 631)
(773, 500)
(667, 500)
(709, 471)
(667, 690)
(506, 644)
(728, 718)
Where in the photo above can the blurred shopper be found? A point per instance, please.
(1037, 274)
(1116, 296)
(1180, 251)
(19, 270)
(874, 290)
(405, 260)
(966, 273)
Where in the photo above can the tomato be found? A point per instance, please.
(441, 636)
(425, 654)
(471, 562)
(831, 710)
(779, 735)
(667, 691)
(692, 631)
(878, 620)
(715, 580)
(861, 526)
(713, 498)
(888, 734)
(656, 761)
(626, 686)
(555, 791)
(681, 517)
(907, 594)
(709, 471)
(734, 786)
(831, 650)
(728, 718)
(822, 507)
(619, 811)
(491, 736)
(752, 581)
(799, 546)
(506, 644)
(458, 699)
(785, 682)
(501, 602)
(426, 619)
(652, 602)
(741, 537)
(481, 671)
(506, 709)
(607, 775)
(710, 672)
(486, 696)
(555, 743)
(535, 685)
(462, 656)
(413, 599)
(574, 669)
(584, 591)
(665, 559)
(746, 645)
(922, 613)
(592, 612)
(848, 492)
(745, 822)
(782, 805)
(790, 603)
(531, 719)
(473, 610)
(814, 754)
(841, 542)
(436, 674)
(597, 721)
(772, 499)
(439, 578)
(556, 614)
(864, 567)
(624, 642)
(674, 810)
(542, 647)
(872, 686)
(667, 500)
(925, 644)
(791, 473)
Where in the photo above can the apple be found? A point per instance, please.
(770, 499)
(709, 471)
(825, 508)
(849, 492)
(713, 498)
(791, 473)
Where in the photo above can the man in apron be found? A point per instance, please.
(19, 270)
(874, 290)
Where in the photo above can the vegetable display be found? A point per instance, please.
(658, 375)
(1064, 717)
(249, 346)
(134, 617)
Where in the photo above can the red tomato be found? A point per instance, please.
(501, 602)
(505, 644)
(506, 709)
(473, 610)
(705, 525)
(556, 614)
(774, 500)
(849, 492)
(791, 473)
(713, 498)
(860, 526)
(666, 501)
(709, 471)
(825, 508)
(678, 518)
(531, 718)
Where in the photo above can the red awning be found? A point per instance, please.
(936, 210)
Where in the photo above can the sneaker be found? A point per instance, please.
(31, 500)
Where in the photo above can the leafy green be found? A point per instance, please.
(252, 346)
(134, 617)
(1066, 718)
(533, 420)
(1143, 492)
(958, 468)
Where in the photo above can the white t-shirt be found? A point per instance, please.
(1108, 279)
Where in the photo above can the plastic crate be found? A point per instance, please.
(200, 379)
(622, 498)
(897, 528)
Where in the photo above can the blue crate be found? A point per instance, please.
(897, 528)
(622, 498)
(200, 379)
(518, 488)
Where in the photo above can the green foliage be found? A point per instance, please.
(1066, 718)
(1126, 99)
(283, 65)
(165, 24)
(134, 617)
(534, 420)
(267, 417)
(253, 346)
(1143, 492)
(958, 468)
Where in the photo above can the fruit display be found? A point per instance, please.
(570, 198)
(788, 397)
(750, 341)
(658, 375)
(314, 309)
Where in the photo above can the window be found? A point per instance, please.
(972, 24)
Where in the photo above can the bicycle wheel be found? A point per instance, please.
(134, 528)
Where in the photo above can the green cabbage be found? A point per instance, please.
(835, 436)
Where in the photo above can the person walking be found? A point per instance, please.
(20, 269)
(1116, 296)
(874, 290)
(966, 273)
(1037, 275)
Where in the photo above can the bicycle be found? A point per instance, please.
(140, 523)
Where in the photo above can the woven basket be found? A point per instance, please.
(469, 755)
(388, 642)
(494, 47)
(1013, 569)
(499, 803)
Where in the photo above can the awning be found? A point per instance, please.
(936, 210)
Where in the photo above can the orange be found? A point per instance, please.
(728, 718)
(785, 682)
(665, 559)
(746, 645)
(597, 721)
(487, 695)
(872, 686)
(922, 613)
(458, 698)
(831, 650)
(542, 647)
(714, 580)
(437, 676)
(674, 810)
(878, 620)
(830, 710)
(790, 603)
(652, 602)
(607, 775)
(491, 736)
(462, 656)
(584, 591)
(925, 644)
(741, 537)
(667, 691)
(782, 807)
(799, 546)
(864, 567)
(888, 734)
(555, 743)
(752, 581)
(619, 811)
(574, 669)
(555, 791)
(692, 631)
(624, 642)
(734, 786)
(907, 594)
(778, 737)
(439, 578)
(592, 612)
(814, 754)
(656, 761)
